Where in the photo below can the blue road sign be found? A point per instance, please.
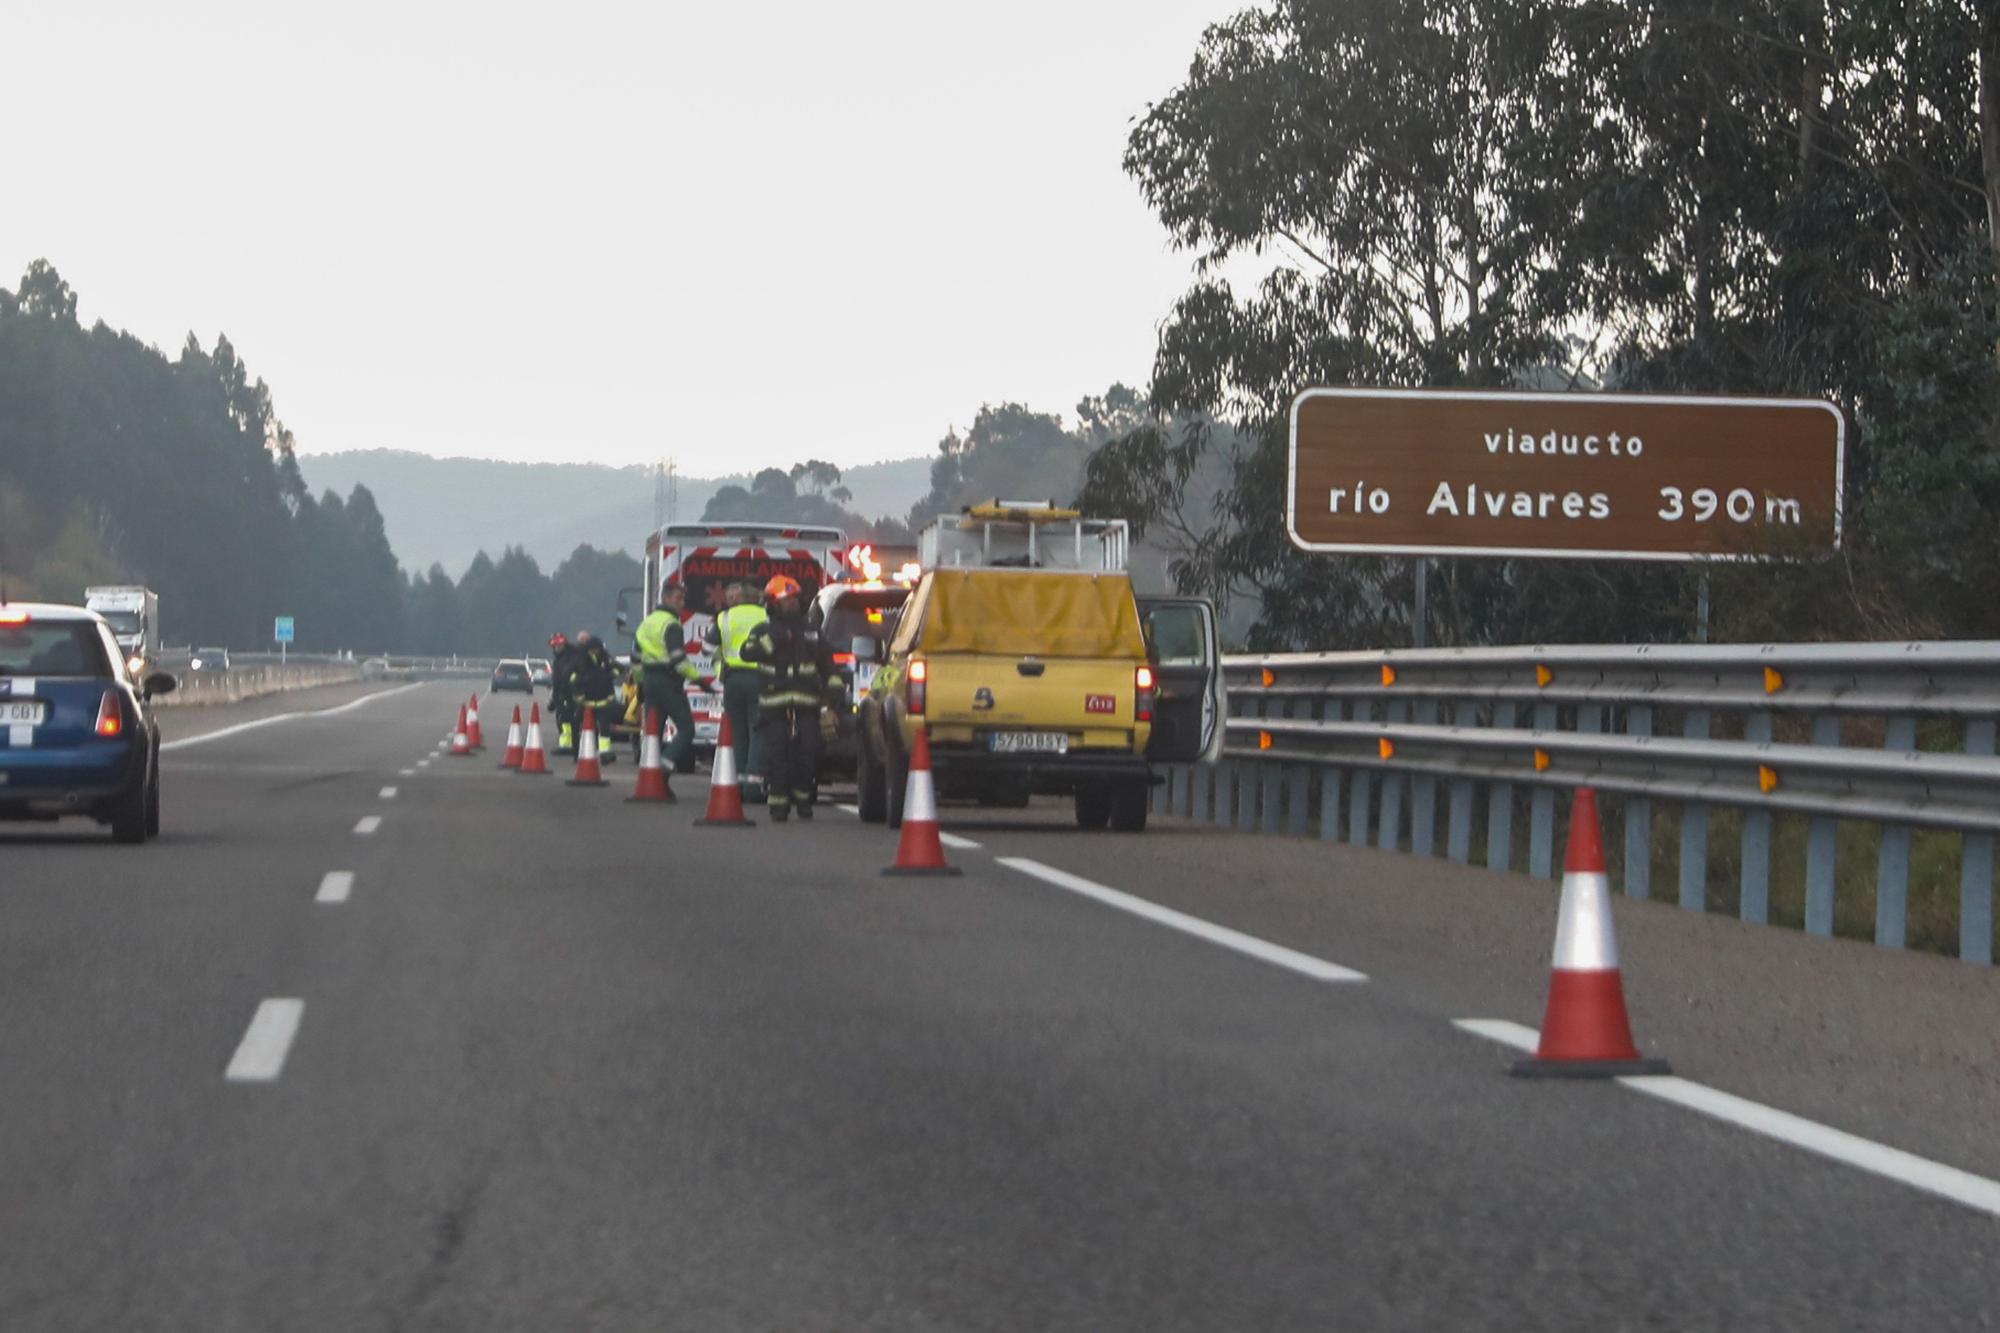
(283, 630)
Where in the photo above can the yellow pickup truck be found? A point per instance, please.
(1041, 681)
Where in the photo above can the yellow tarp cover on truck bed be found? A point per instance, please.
(1031, 613)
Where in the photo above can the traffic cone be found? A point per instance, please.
(652, 784)
(920, 852)
(725, 798)
(511, 756)
(1585, 1032)
(533, 760)
(473, 735)
(588, 774)
(461, 747)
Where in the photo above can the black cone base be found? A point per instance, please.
(1533, 1068)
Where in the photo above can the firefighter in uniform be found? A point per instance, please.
(665, 673)
(562, 661)
(796, 671)
(741, 684)
(593, 683)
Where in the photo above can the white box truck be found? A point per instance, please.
(134, 616)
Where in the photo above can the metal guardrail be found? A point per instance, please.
(194, 688)
(1362, 745)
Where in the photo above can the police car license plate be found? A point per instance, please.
(28, 714)
(1028, 742)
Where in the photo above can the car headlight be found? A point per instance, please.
(194, 664)
(135, 664)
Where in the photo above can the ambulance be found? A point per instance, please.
(705, 558)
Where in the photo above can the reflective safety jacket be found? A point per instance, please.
(663, 642)
(734, 628)
(796, 664)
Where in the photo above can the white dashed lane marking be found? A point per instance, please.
(1947, 1182)
(953, 840)
(367, 825)
(387, 793)
(260, 1056)
(335, 887)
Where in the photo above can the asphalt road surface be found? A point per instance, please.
(547, 1061)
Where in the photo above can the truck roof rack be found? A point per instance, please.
(1024, 534)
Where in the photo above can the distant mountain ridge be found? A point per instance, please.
(446, 510)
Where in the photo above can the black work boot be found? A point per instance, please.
(780, 813)
(805, 810)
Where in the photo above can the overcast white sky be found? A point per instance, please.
(737, 234)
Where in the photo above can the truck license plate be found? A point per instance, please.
(29, 714)
(1028, 742)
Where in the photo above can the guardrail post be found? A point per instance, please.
(1975, 871)
(1754, 894)
(1298, 793)
(1458, 832)
(1201, 792)
(1892, 865)
(1542, 811)
(1331, 710)
(1821, 847)
(1360, 787)
(1389, 832)
(1270, 790)
(1500, 805)
(1423, 796)
(1694, 828)
(1639, 820)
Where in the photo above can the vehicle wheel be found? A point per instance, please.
(1130, 803)
(897, 781)
(128, 813)
(871, 784)
(1093, 807)
(153, 801)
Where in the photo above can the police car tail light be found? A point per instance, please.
(1142, 700)
(8, 617)
(919, 679)
(110, 716)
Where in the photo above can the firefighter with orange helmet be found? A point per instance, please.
(797, 675)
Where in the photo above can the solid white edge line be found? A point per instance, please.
(367, 824)
(953, 840)
(387, 794)
(276, 718)
(1919, 1173)
(1263, 950)
(1518, 1035)
(1947, 1182)
(335, 887)
(854, 810)
(260, 1056)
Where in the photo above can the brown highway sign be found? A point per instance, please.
(1579, 475)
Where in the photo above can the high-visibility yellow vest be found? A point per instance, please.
(651, 636)
(736, 625)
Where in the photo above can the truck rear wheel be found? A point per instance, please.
(871, 784)
(1130, 802)
(1093, 807)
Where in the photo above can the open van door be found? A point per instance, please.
(1186, 651)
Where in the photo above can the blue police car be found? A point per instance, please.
(77, 735)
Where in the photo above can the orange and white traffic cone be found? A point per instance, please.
(461, 746)
(921, 852)
(1585, 1031)
(533, 760)
(473, 735)
(725, 798)
(652, 784)
(588, 774)
(511, 756)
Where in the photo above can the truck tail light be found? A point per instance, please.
(919, 682)
(843, 659)
(110, 715)
(1142, 698)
